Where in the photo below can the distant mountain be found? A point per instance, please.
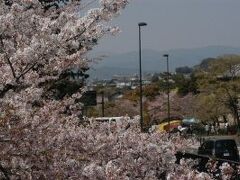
(153, 61)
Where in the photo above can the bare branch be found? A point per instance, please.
(78, 35)
(25, 72)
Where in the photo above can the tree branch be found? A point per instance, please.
(27, 70)
(84, 30)
(78, 35)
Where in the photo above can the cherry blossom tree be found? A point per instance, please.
(38, 41)
(180, 106)
(40, 137)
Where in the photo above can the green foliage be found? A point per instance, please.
(132, 95)
(219, 87)
(185, 85)
(205, 63)
(61, 88)
(163, 85)
(150, 91)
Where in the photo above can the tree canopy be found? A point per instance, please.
(218, 83)
(39, 40)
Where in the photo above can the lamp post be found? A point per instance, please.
(102, 103)
(140, 73)
(168, 101)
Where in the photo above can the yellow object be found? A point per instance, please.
(165, 127)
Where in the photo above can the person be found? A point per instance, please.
(191, 129)
(179, 129)
(217, 128)
(207, 129)
(226, 127)
(212, 129)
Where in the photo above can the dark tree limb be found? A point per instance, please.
(25, 72)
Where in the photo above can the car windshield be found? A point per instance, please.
(208, 145)
(225, 144)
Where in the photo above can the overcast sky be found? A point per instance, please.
(174, 24)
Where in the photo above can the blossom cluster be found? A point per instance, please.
(36, 46)
(35, 43)
(41, 148)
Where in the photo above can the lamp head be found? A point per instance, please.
(165, 55)
(142, 24)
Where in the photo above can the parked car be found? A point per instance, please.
(220, 148)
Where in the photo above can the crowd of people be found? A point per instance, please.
(207, 129)
(211, 129)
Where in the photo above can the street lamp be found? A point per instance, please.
(168, 102)
(102, 103)
(140, 73)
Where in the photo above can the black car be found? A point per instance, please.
(220, 148)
